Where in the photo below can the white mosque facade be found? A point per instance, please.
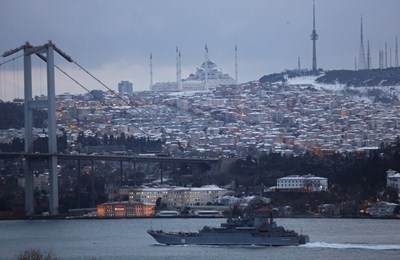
(207, 77)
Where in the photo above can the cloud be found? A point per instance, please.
(270, 34)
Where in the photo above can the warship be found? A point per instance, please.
(256, 229)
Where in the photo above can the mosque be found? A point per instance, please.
(207, 77)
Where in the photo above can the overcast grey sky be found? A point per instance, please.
(113, 39)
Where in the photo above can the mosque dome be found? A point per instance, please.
(210, 65)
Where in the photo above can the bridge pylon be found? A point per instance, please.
(46, 53)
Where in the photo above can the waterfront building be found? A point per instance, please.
(125, 209)
(393, 179)
(125, 88)
(40, 182)
(307, 183)
(178, 197)
(382, 208)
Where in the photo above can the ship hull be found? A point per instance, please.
(226, 238)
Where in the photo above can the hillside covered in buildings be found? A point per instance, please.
(354, 180)
(284, 125)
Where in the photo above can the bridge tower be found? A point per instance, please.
(46, 53)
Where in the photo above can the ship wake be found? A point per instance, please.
(352, 246)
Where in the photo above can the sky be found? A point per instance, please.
(113, 39)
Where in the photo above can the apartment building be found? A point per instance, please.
(307, 183)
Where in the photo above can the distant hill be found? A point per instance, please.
(362, 78)
(281, 77)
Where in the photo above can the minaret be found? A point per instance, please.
(314, 38)
(236, 66)
(177, 67)
(151, 72)
(361, 57)
(368, 57)
(396, 55)
(206, 67)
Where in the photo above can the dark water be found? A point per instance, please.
(127, 239)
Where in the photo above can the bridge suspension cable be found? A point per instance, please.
(65, 73)
(104, 85)
(1, 82)
(82, 86)
(4, 83)
(14, 81)
(8, 53)
(10, 60)
(112, 91)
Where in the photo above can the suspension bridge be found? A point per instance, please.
(46, 53)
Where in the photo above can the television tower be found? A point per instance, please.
(361, 56)
(314, 38)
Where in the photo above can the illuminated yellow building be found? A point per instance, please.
(178, 197)
(125, 209)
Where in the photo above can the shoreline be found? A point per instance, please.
(63, 217)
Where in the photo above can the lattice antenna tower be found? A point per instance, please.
(355, 63)
(379, 60)
(396, 55)
(361, 56)
(368, 57)
(386, 56)
(390, 58)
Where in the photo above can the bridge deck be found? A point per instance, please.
(107, 157)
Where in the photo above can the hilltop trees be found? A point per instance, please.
(361, 78)
(135, 144)
(353, 177)
(12, 116)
